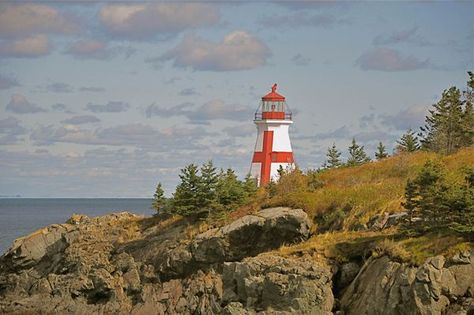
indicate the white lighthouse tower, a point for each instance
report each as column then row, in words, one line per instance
column 273, row 147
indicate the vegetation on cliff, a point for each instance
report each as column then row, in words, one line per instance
column 413, row 204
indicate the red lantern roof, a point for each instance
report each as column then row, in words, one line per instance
column 273, row 96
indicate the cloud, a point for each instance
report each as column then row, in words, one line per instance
column 310, row 4
column 387, row 59
column 367, row 120
column 217, row 109
column 155, row 110
column 94, row 49
column 300, row 60
column 239, row 50
column 373, row 136
column 136, row 134
column 81, row 119
column 110, row 107
column 212, row 110
column 29, row 47
column 59, row 88
column 59, row 107
column 94, row 89
column 301, row 19
column 188, row 92
column 19, row 104
column 47, row 135
column 412, row 117
column 146, row 21
column 28, row 19
column 403, row 36
column 10, row 129
column 7, row 82
column 339, row 133
column 240, row 131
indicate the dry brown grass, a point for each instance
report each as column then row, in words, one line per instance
column 370, row 189
column 341, row 246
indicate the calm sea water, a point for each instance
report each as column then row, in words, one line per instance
column 21, row 216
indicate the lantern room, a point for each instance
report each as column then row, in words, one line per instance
column 273, row 106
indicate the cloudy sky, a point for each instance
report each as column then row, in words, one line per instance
column 104, row 99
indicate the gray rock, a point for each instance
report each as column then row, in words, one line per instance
column 385, row 220
column 272, row 284
column 386, row 287
column 463, row 257
column 395, row 219
column 251, row 235
column 347, row 273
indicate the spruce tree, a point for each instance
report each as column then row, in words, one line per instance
column 464, row 218
column 158, row 198
column 408, row 142
column 468, row 113
column 430, row 186
column 186, row 198
column 333, row 157
column 357, row 155
column 250, row 186
column 444, row 127
column 411, row 202
column 230, row 191
column 381, row 153
column 207, row 188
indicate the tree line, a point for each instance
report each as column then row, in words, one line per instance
column 432, row 201
column 448, row 127
column 435, row 203
column 203, row 191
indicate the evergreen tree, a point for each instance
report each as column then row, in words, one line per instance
column 357, row 155
column 250, row 186
column 468, row 113
column 410, row 199
column 464, row 220
column 314, row 180
column 271, row 189
column 381, row 153
column 408, row 142
column 333, row 157
column 438, row 205
column 230, row 191
column 158, row 198
column 186, row 198
column 444, row 127
column 281, row 171
column 207, row 189
column 426, row 197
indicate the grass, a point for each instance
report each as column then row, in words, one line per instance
column 369, row 189
column 344, row 246
column 352, row 195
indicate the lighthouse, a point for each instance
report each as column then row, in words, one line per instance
column 273, row 146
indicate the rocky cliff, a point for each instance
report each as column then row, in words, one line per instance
column 125, row 264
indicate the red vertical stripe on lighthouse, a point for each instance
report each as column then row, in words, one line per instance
column 267, row 157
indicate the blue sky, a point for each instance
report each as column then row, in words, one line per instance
column 105, row 99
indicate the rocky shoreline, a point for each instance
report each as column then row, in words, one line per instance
column 125, row 264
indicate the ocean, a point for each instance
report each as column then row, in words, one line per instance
column 21, row 216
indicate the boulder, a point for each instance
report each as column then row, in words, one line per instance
column 347, row 272
column 272, row 284
column 387, row 287
column 385, row 220
column 251, row 235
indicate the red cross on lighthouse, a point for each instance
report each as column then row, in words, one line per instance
column 273, row 147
